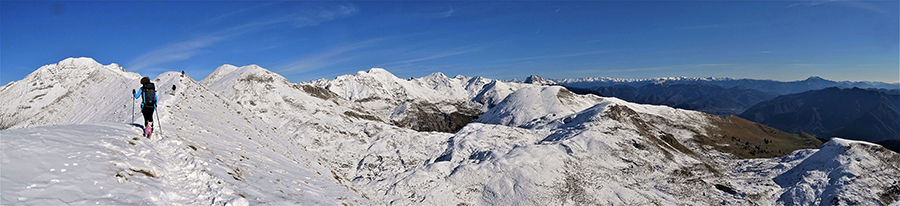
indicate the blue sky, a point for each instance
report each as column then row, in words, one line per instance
column 781, row 40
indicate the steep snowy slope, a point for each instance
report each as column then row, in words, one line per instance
column 842, row 172
column 270, row 95
column 205, row 152
column 345, row 136
column 64, row 93
column 612, row 153
column 247, row 151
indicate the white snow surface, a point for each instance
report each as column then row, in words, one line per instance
column 75, row 90
column 247, row 136
column 204, row 152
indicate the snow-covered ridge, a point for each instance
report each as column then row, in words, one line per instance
column 245, row 135
column 50, row 94
column 203, row 151
column 420, row 103
column 378, row 83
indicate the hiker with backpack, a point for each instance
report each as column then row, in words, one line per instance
column 148, row 103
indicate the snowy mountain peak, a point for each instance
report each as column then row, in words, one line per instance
column 220, row 71
column 80, row 62
column 49, row 94
column 74, row 68
column 251, row 72
column 538, row 80
column 227, row 68
column 436, row 75
column 376, row 72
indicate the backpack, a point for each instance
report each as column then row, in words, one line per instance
column 148, row 93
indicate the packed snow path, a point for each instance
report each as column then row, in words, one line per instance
column 160, row 166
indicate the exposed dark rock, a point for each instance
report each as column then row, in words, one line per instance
column 361, row 116
column 315, row 91
column 258, row 78
column 726, row 189
column 428, row 117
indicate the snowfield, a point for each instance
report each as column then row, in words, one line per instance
column 248, row 136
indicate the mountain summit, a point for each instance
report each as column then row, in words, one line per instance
column 538, row 80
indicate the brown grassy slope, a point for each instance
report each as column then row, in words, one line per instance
column 733, row 135
column 746, row 139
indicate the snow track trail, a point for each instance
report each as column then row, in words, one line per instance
column 182, row 171
column 218, row 156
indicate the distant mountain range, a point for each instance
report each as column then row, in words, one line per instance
column 862, row 114
column 820, row 107
column 720, row 96
column 779, row 87
column 699, row 96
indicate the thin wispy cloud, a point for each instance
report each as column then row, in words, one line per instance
column 331, row 56
column 173, row 52
column 866, row 6
column 308, row 15
column 445, row 14
column 312, row 15
column 811, row 3
column 435, row 56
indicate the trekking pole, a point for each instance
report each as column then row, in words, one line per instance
column 132, row 106
column 158, row 121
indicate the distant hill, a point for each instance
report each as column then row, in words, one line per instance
column 861, row 114
column 699, row 96
column 779, row 87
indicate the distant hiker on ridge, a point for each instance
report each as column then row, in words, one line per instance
column 148, row 104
